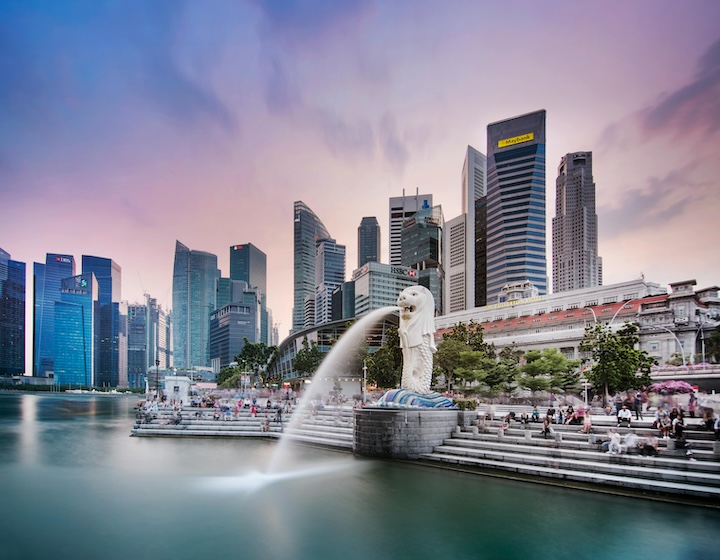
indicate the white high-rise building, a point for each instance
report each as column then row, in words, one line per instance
column 473, row 188
column 456, row 269
column 401, row 208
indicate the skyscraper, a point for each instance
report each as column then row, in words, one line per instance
column 249, row 264
column 422, row 241
column 473, row 188
column 516, row 204
column 368, row 241
column 12, row 315
column 76, row 329
column 46, row 282
column 194, row 276
column 148, row 340
column 456, row 269
column 402, row 208
column 307, row 230
column 233, row 323
column 111, row 353
column 576, row 263
column 329, row 275
column 480, row 242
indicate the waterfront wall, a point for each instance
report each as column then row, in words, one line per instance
column 401, row 433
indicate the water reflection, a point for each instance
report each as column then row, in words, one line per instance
column 80, row 487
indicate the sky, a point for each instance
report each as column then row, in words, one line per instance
column 128, row 125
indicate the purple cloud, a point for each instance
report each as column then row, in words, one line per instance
column 659, row 201
column 695, row 106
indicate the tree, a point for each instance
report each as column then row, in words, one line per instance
column 385, row 364
column 712, row 347
column 548, row 369
column 308, row 358
column 448, row 357
column 255, row 357
column 617, row 366
column 226, row 377
column 470, row 334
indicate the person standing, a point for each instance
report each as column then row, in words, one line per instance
column 638, row 404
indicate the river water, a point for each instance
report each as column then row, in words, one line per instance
column 74, row 485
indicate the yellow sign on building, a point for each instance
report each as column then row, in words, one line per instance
column 516, row 140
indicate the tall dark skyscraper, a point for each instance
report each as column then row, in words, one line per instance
column 194, row 284
column 307, row 231
column 47, row 280
column 249, row 264
column 400, row 209
column 576, row 263
column 368, row 241
column 111, row 352
column 421, row 243
column 516, row 204
column 12, row 315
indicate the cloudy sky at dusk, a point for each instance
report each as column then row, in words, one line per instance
column 125, row 126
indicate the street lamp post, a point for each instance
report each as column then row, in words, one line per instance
column 157, row 379
column 621, row 308
column 364, row 388
column 682, row 350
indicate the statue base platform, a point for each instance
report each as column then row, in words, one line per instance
column 403, row 398
column 401, row 433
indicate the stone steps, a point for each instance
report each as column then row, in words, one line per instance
column 587, row 477
column 573, row 457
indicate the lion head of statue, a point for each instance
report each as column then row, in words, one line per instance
column 417, row 313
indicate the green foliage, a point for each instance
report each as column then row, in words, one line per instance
column 308, row 358
column 471, row 334
column 463, row 353
column 225, row 374
column 385, row 364
column 466, row 404
column 712, row 347
column 548, row 369
column 617, row 366
column 255, row 357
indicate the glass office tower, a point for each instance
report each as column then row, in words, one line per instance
column 516, row 204
column 111, row 353
column 307, row 230
column 368, row 241
column 76, row 328
column 329, row 275
column 46, row 281
column 422, row 241
column 12, row 315
column 194, row 284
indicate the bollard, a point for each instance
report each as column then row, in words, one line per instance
column 592, row 439
column 528, row 435
column 558, row 437
column 671, row 444
column 475, row 430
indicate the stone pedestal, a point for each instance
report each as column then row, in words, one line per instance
column 401, row 433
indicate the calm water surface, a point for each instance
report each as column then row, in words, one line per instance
column 73, row 484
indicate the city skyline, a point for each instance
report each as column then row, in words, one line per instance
column 130, row 126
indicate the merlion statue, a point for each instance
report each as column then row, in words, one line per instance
column 417, row 341
column 416, row 330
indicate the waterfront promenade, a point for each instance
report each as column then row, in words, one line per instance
column 567, row 456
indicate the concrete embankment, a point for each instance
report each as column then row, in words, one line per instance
column 565, row 457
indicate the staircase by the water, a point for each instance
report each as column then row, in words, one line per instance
column 578, row 458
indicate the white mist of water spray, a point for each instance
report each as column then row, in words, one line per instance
column 330, row 365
